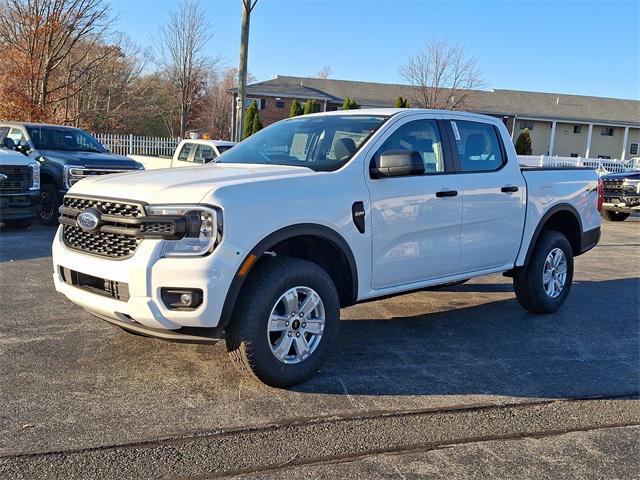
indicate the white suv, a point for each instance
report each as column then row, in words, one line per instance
column 315, row 213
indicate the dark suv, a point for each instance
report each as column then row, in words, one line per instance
column 66, row 155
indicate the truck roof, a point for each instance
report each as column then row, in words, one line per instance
column 33, row 124
column 397, row 111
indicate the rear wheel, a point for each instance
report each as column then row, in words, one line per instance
column 284, row 323
column 543, row 285
column 20, row 224
column 49, row 204
column 615, row 216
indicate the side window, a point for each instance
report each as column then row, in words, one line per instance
column 422, row 136
column 183, row 156
column 478, row 146
column 16, row 135
column 204, row 154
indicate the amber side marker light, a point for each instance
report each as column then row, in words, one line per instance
column 246, row 266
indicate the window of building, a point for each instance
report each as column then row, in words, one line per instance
column 478, row 146
column 633, row 149
column 577, row 129
column 607, row 131
column 279, row 103
column 574, row 155
column 421, row 136
column 526, row 124
column 605, row 157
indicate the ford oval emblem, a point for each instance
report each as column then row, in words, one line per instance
column 3, row 177
column 89, row 220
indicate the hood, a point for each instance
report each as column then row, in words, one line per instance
column 90, row 159
column 180, row 185
column 622, row 176
column 11, row 157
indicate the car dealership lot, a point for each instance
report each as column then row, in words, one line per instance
column 424, row 369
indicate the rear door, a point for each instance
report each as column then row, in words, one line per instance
column 415, row 219
column 493, row 194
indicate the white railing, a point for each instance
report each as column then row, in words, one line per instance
column 138, row 145
column 601, row 165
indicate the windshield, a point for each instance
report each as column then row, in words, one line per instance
column 70, row 139
column 322, row 143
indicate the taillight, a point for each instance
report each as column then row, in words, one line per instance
column 600, row 194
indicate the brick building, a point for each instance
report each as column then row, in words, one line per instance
column 563, row 125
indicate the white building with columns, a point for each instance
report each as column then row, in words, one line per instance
column 559, row 124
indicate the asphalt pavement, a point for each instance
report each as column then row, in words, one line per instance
column 463, row 367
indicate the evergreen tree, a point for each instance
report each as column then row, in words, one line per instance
column 349, row 104
column 256, row 125
column 251, row 113
column 402, row 102
column 523, row 143
column 310, row 106
column 296, row 109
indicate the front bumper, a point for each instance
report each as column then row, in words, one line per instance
column 622, row 204
column 18, row 206
column 145, row 273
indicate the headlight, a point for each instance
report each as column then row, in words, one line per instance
column 203, row 229
column 72, row 174
column 35, row 175
column 632, row 186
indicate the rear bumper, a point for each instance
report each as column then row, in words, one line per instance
column 623, row 206
column 590, row 239
column 18, row 206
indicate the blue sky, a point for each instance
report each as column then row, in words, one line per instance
column 578, row 47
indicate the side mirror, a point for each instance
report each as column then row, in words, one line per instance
column 397, row 163
column 23, row 148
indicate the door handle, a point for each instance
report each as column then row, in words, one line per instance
column 447, row 193
column 509, row 189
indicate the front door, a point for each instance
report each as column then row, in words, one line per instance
column 415, row 219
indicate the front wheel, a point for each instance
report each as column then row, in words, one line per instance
column 285, row 320
column 543, row 285
column 615, row 216
column 49, row 204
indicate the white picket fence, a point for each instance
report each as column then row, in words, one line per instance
column 600, row 165
column 138, row 145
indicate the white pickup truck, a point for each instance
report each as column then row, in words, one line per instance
column 316, row 213
column 188, row 153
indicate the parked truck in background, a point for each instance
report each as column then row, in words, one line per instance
column 188, row 153
column 621, row 195
column 19, row 189
column 315, row 213
column 65, row 155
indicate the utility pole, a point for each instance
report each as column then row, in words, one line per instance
column 247, row 7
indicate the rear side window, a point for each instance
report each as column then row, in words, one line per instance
column 478, row 146
column 183, row 156
column 204, row 154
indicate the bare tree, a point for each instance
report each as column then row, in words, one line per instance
column 39, row 36
column 325, row 72
column 442, row 76
column 182, row 43
column 247, row 8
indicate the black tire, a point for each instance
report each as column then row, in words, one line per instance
column 528, row 281
column 49, row 205
column 248, row 342
column 20, row 224
column 615, row 216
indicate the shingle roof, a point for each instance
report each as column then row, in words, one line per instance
column 528, row 104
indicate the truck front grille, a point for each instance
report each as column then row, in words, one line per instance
column 100, row 286
column 19, row 178
column 106, row 244
column 613, row 187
